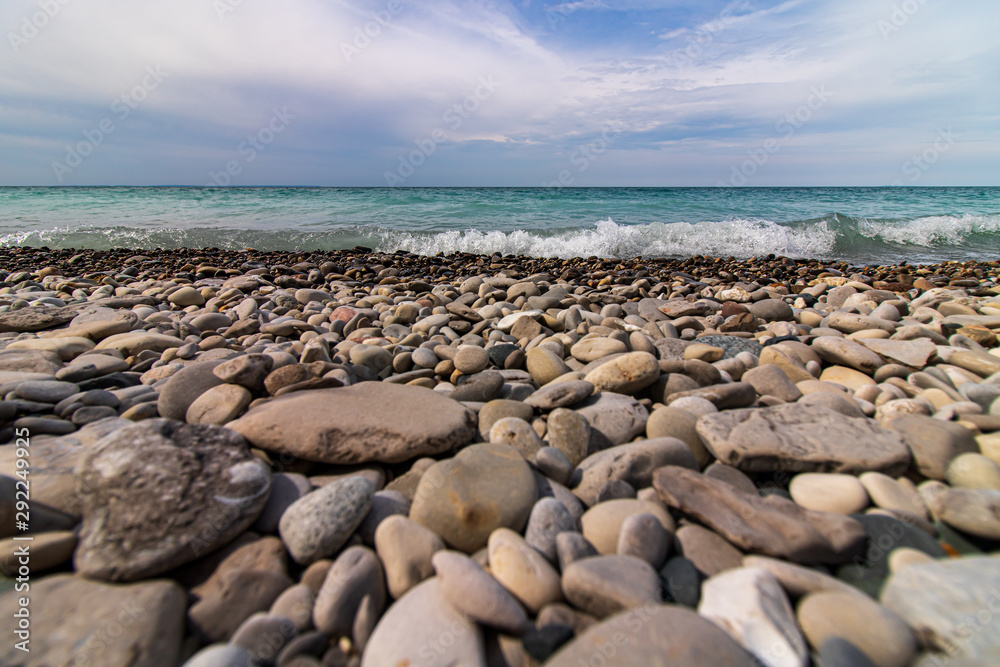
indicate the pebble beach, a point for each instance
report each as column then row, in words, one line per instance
column 303, row 459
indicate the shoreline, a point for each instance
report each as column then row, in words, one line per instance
column 350, row 455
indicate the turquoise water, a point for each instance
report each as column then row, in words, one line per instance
column 860, row 225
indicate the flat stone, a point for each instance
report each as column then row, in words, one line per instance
column 911, row 353
column 318, row 524
column 770, row 380
column 633, row 463
column 592, row 349
column 186, row 296
column 365, row 422
column 772, row 310
column 627, row 374
column 65, row 348
column 732, row 345
column 933, row 442
column 722, row 396
column 829, row 492
column 878, row 632
column 560, row 395
column 670, row 422
column 29, row 361
column 160, row 494
column 773, row 525
column 945, row 603
column 35, row 319
column 846, row 377
column 247, row 370
column 48, row 550
column 707, row 551
column 847, row 353
column 544, row 365
column 133, row 343
column 46, row 391
column 891, row 494
column 616, row 418
column 655, row 635
column 465, row 498
column 71, row 617
column 605, row 585
column 751, row 606
column 406, row 549
column 548, row 518
column 473, row 591
column 804, row 438
column 241, row 594
column 422, row 627
column 518, row 434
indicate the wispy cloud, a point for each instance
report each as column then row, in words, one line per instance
column 689, row 88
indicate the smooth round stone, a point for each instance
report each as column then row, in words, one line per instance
column 973, row 511
column 592, row 349
column 974, row 471
column 318, row 524
column 352, row 596
column 498, row 409
column 296, row 604
column 829, row 492
column 471, row 359
column 473, row 591
column 465, row 498
column 875, row 630
column 555, row 465
column 544, row 365
column 626, row 374
column 672, row 422
column 91, row 414
column 186, row 296
column 770, row 380
column 374, row 357
column 569, row 432
column 696, row 405
column 479, row 388
column 602, row 523
column 605, row 585
column 846, row 377
column 219, row 405
column 548, row 519
column 518, row 434
column 46, row 391
column 560, row 395
column 523, row 571
column 891, row 494
column 406, row 549
column 423, row 628
column 643, row 536
column 682, row 582
column 264, row 635
column 424, row 358
column 836, row 402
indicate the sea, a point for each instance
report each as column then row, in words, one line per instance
column 860, row 225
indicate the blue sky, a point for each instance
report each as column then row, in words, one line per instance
column 585, row 93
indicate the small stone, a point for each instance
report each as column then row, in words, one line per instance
column 891, row 494
column 708, row 551
column 318, row 524
column 263, row 636
column 560, row 395
column 602, row 523
column 626, row 374
column 471, row 359
column 568, row 432
column 219, row 405
column 523, row 571
column 466, row 498
column 973, row 511
column 643, row 536
column 479, row 388
column 518, row 434
column 672, row 422
column 186, row 296
column 750, row 605
column 592, row 349
column 605, row 585
column 544, row 365
column 934, row 443
column 406, row 549
column 829, row 492
column 471, row 590
column 770, row 380
column 548, row 519
column 974, row 471
column 352, row 596
column 875, row 630
column 633, row 463
column 613, row 418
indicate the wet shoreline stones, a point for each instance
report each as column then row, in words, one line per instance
column 712, row 457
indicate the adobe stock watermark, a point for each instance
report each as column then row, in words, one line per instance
column 364, row 35
column 584, row 156
column 454, row 116
column 920, row 163
column 899, row 16
column 254, row 145
column 33, row 24
column 121, row 109
column 705, row 34
column 787, row 126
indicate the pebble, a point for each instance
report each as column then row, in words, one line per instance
column 319, row 523
column 473, row 591
column 875, row 630
column 602, row 523
column 605, row 585
column 829, row 492
column 523, row 571
column 406, row 549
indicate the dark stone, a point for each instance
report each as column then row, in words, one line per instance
column 540, row 644
column 732, row 345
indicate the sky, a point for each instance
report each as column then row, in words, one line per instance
column 522, row 93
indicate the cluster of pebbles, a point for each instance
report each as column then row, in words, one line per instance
column 356, row 458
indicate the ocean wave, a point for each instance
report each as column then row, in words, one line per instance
column 836, row 236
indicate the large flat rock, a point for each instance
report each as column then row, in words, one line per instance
column 803, row 438
column 371, row 421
